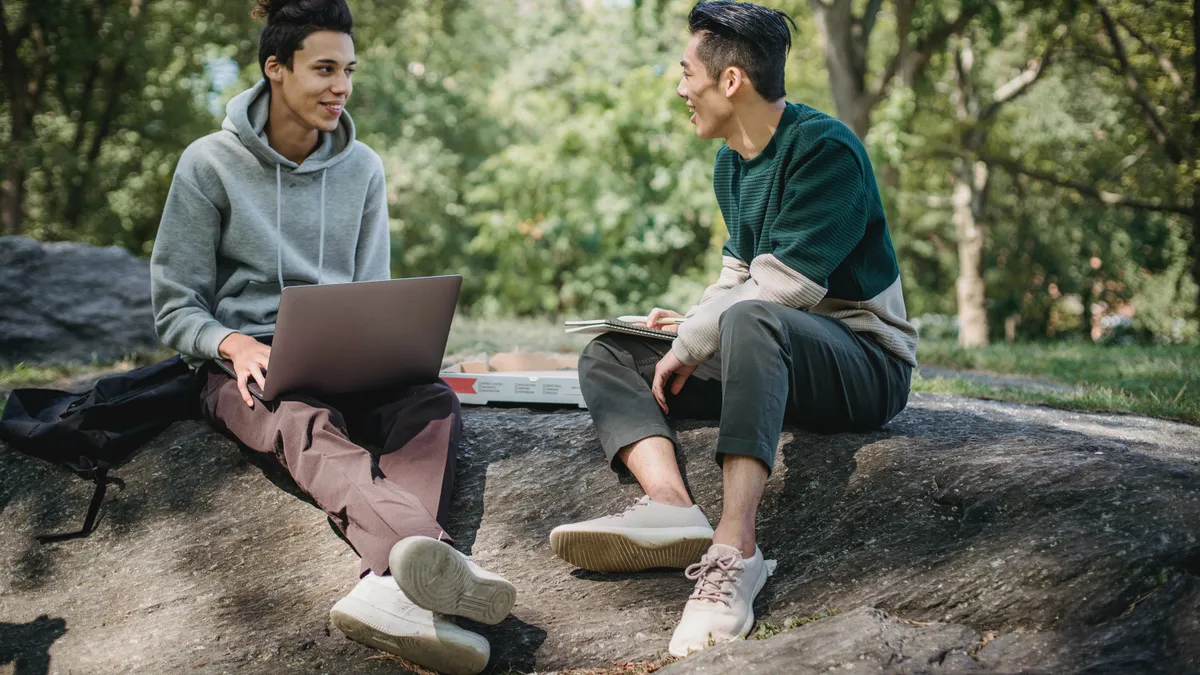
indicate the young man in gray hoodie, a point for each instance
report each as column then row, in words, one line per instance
column 284, row 195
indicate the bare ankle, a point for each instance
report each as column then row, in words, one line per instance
column 744, row 542
column 669, row 497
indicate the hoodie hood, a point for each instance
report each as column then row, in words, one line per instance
column 241, row 221
column 246, row 116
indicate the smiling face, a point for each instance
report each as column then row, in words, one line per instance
column 315, row 89
column 706, row 97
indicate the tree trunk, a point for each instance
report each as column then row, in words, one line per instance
column 12, row 190
column 12, row 197
column 1196, row 145
column 104, row 128
column 845, row 57
column 1196, row 241
column 972, row 307
column 858, row 118
column 23, row 85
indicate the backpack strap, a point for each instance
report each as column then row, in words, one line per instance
column 99, row 475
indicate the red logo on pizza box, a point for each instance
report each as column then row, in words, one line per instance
column 462, row 385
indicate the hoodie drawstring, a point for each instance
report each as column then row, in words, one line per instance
column 279, row 228
column 321, row 247
column 279, row 223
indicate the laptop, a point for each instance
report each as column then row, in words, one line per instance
column 358, row 336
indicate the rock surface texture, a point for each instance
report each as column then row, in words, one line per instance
column 968, row 536
column 68, row 302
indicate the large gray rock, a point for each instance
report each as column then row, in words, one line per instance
column 969, row 536
column 67, row 302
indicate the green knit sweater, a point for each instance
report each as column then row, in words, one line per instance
column 806, row 230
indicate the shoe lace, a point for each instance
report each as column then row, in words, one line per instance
column 714, row 578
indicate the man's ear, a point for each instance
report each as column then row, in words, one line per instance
column 732, row 81
column 274, row 70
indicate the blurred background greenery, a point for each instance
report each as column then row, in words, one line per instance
column 1038, row 157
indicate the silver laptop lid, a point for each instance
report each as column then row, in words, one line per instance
column 341, row 338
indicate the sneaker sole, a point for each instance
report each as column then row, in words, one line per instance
column 608, row 551
column 448, row 649
column 435, row 576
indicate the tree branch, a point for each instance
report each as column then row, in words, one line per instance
column 1086, row 190
column 962, row 80
column 1133, row 83
column 1019, row 85
column 3, row 25
column 10, row 62
column 84, row 103
column 26, row 25
column 1196, row 75
column 1126, row 163
column 924, row 51
column 1167, row 66
column 908, row 63
column 41, row 70
column 104, row 127
column 867, row 22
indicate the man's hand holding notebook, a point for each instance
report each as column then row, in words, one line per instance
column 661, row 324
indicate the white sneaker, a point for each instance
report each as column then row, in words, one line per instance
column 378, row 615
column 646, row 535
column 435, row 576
column 721, row 608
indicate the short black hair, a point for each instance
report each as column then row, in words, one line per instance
column 751, row 37
column 289, row 22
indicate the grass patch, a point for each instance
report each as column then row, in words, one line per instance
column 24, row 375
column 470, row 335
column 1154, row 381
column 766, row 629
column 629, row 668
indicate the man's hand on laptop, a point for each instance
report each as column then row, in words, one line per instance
column 249, row 357
column 655, row 320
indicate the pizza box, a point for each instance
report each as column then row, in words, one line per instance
column 516, row 378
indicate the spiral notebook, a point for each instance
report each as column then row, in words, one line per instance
column 598, row 326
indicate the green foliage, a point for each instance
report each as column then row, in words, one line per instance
column 124, row 91
column 1158, row 302
column 602, row 208
column 1056, row 263
column 539, row 148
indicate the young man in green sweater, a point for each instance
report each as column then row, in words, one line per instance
column 805, row 325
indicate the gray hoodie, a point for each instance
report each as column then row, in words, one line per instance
column 242, row 221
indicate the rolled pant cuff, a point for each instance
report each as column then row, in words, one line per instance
column 741, row 446
column 612, row 443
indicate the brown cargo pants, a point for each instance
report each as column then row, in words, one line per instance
column 375, row 499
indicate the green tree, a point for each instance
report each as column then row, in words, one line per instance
column 604, row 193
column 100, row 97
column 1146, row 58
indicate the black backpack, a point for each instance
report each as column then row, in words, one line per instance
column 92, row 432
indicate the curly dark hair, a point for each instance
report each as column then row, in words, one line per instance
column 289, row 22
